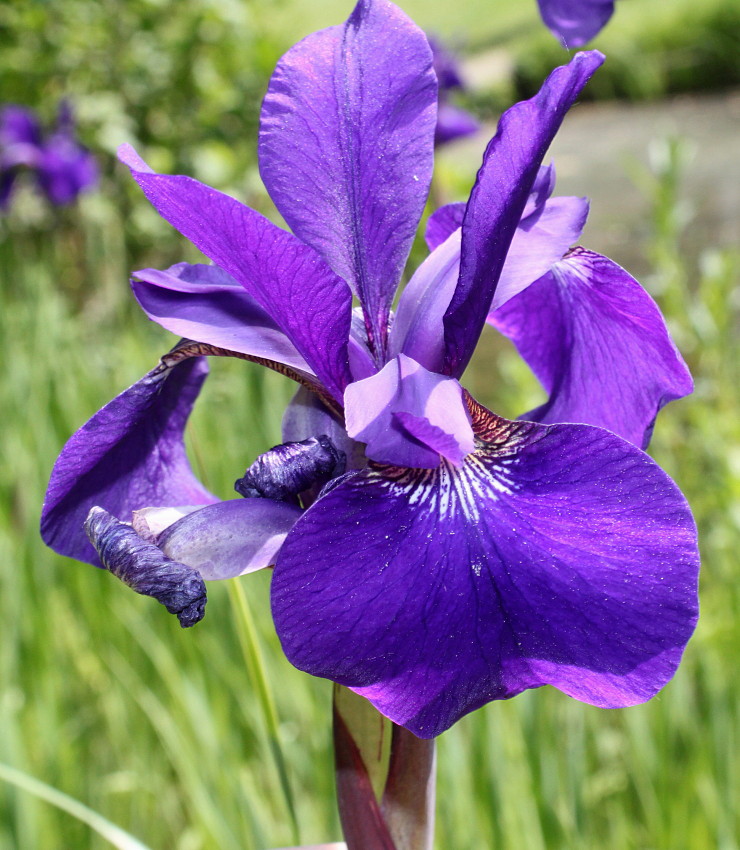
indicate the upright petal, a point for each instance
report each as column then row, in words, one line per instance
column 575, row 22
column 599, row 345
column 502, row 187
column 554, row 555
column 206, row 304
column 346, row 147
column 417, row 329
column 19, row 126
column 289, row 280
column 130, row 455
column 540, row 240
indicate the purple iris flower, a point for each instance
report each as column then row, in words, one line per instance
column 427, row 553
column 452, row 121
column 63, row 168
column 575, row 22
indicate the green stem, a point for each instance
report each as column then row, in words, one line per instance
column 250, row 646
column 385, row 779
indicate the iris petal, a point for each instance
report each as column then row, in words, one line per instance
column 231, row 538
column 599, row 345
column 510, row 167
column 575, row 22
column 554, row 555
column 129, row 455
column 206, row 304
column 288, row 279
column 346, row 147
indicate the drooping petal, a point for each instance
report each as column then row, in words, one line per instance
column 289, row 280
column 206, row 304
column 346, row 147
column 144, row 568
column 130, row 455
column 599, row 345
column 556, row 555
column 575, row 22
column 409, row 416
column 230, row 538
column 453, row 122
column 510, row 166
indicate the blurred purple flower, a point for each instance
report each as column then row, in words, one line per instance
column 61, row 165
column 440, row 556
column 452, row 121
column 575, row 22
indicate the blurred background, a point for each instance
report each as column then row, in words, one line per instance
column 161, row 731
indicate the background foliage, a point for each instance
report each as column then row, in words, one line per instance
column 101, row 694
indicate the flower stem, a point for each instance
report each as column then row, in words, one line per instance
column 250, row 646
column 385, row 779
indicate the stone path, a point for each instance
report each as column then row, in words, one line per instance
column 597, row 141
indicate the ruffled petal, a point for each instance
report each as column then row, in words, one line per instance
column 599, row 345
column 230, row 538
column 130, row 455
column 575, row 22
column 346, row 147
column 556, row 555
column 289, row 280
column 409, row 416
column 510, row 166
column 206, row 304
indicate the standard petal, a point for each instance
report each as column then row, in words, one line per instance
column 540, row 240
column 599, row 345
column 417, row 329
column 346, row 147
column 575, row 22
column 130, row 455
column 443, row 223
column 230, row 538
column 554, row 555
column 510, row 166
column 289, row 280
column 206, row 304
